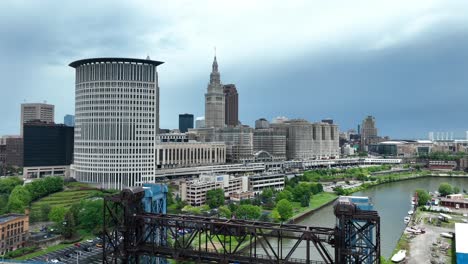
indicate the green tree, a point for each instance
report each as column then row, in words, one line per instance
column 44, row 210
column 75, row 211
column 57, row 214
column 37, row 189
column 19, row 200
column 284, row 194
column 69, row 226
column 301, row 190
column 285, row 209
column 8, row 184
column 305, row 200
column 90, row 216
column 233, row 207
column 225, row 212
column 316, row 188
column 275, row 216
column 267, row 195
column 54, row 184
column 423, row 197
column 340, row 191
column 170, row 197
column 247, row 211
column 3, row 203
column 215, row 198
column 445, row 189
column 456, row 189
column 265, row 217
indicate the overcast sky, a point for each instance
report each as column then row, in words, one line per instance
column 404, row 62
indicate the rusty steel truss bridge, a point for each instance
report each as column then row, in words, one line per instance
column 133, row 234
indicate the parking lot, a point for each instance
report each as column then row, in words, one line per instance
column 75, row 254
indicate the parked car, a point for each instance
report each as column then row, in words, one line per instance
column 87, row 249
column 99, row 245
column 77, row 244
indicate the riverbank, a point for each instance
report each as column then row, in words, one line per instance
column 323, row 199
column 429, row 247
column 399, row 177
column 317, row 202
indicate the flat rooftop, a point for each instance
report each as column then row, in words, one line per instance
column 78, row 63
column 9, row 217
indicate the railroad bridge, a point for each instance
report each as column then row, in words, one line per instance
column 138, row 230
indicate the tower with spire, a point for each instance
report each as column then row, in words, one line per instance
column 214, row 99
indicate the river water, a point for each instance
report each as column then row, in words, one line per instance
column 391, row 200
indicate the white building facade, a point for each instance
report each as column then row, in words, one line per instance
column 194, row 192
column 188, row 154
column 116, row 120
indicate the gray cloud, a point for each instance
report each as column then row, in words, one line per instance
column 319, row 60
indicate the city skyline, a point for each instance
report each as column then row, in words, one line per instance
column 407, row 70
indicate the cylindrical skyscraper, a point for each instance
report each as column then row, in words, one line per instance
column 116, row 120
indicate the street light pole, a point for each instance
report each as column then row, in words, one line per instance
column 78, row 253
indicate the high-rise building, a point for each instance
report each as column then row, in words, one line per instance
column 115, row 142
column 368, row 132
column 328, row 121
column 239, row 143
column 307, row 140
column 261, row 123
column 185, row 122
column 271, row 141
column 11, row 152
column 231, row 104
column 214, row 100
column 48, row 149
column 69, row 120
column 36, row 111
column 200, row 122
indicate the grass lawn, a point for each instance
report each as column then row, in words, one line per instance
column 44, row 251
column 315, row 202
column 65, row 198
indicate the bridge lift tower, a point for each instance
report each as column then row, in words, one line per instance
column 138, row 230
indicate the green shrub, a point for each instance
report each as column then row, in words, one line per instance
column 20, row 252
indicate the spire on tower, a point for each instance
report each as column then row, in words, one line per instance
column 215, row 76
column 215, row 62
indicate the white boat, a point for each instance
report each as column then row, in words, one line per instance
column 414, row 230
column 446, row 216
column 410, row 212
column 447, row 235
column 407, row 219
column 399, row 256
